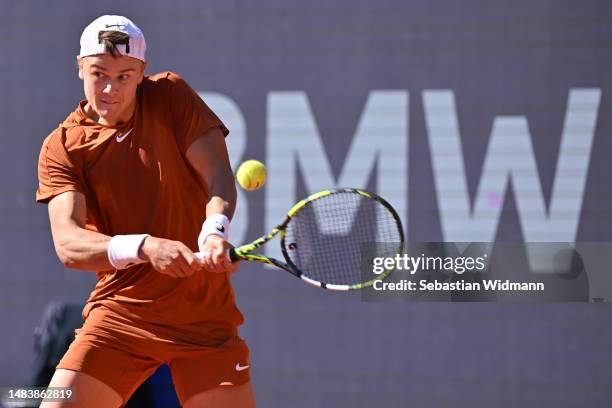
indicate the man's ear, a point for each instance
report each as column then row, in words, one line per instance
column 79, row 63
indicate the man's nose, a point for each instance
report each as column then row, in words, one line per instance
column 109, row 86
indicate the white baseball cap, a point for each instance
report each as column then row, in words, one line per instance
column 90, row 41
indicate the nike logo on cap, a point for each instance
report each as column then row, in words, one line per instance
column 220, row 228
column 241, row 368
column 120, row 138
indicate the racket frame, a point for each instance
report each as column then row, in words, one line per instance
column 245, row 252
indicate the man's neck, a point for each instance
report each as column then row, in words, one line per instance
column 93, row 115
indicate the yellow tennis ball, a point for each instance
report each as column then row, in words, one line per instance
column 251, row 175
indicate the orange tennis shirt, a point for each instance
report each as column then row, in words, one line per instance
column 136, row 179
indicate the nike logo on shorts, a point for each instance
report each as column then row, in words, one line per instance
column 120, row 138
column 241, row 368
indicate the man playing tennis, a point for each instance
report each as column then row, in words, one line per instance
column 136, row 179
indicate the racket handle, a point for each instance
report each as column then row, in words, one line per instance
column 232, row 254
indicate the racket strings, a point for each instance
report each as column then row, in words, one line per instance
column 325, row 239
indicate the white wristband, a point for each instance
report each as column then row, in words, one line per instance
column 123, row 250
column 215, row 224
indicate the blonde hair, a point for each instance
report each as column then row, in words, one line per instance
column 111, row 39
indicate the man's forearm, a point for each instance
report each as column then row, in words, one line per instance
column 79, row 248
column 222, row 196
column 220, row 208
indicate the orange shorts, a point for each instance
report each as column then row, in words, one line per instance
column 123, row 353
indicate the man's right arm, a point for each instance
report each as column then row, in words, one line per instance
column 76, row 247
column 80, row 248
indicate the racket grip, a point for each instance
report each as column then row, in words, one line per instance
column 233, row 255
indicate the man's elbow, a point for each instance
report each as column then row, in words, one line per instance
column 65, row 251
column 65, row 256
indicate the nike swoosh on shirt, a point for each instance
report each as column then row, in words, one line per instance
column 120, row 138
column 241, row 368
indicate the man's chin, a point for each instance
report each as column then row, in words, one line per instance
column 107, row 117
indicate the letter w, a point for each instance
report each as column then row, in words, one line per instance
column 510, row 156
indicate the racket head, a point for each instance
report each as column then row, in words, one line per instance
column 324, row 237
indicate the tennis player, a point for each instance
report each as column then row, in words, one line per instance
column 136, row 179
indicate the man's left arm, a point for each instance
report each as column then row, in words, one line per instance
column 208, row 156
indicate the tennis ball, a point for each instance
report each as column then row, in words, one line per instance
column 251, row 175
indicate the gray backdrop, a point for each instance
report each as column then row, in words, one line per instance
column 479, row 120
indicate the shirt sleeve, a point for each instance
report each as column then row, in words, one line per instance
column 191, row 117
column 57, row 173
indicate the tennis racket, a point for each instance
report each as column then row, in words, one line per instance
column 323, row 238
